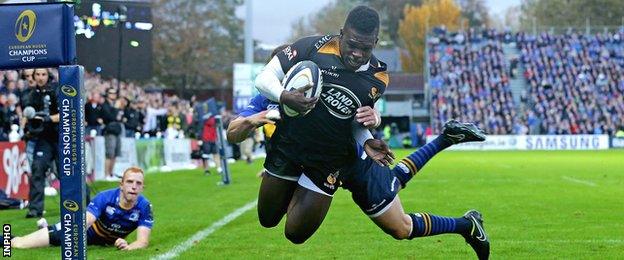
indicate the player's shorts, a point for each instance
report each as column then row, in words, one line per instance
column 55, row 233
column 323, row 180
column 277, row 165
column 112, row 145
column 208, row 148
column 373, row 190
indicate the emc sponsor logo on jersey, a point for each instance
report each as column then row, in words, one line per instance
column 340, row 101
column 322, row 41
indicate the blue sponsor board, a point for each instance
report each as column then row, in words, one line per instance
column 71, row 166
column 617, row 142
column 36, row 35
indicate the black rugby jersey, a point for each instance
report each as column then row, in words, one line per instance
column 325, row 133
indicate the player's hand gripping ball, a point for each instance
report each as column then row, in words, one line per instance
column 305, row 74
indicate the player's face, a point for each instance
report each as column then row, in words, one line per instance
column 41, row 77
column 355, row 48
column 132, row 185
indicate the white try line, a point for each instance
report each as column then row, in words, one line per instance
column 177, row 250
column 589, row 183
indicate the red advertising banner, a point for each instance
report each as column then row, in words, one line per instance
column 14, row 170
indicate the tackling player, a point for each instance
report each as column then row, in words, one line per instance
column 375, row 189
column 111, row 216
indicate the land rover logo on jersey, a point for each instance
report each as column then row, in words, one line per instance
column 25, row 25
column 69, row 90
column 340, row 101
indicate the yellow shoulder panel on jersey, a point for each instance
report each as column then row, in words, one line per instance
column 383, row 77
column 331, row 47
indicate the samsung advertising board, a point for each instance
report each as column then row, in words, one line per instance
column 536, row 142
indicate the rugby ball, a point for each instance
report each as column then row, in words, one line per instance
column 300, row 75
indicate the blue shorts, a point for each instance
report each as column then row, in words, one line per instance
column 373, row 187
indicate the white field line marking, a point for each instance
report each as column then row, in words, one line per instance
column 579, row 181
column 563, row 241
column 180, row 248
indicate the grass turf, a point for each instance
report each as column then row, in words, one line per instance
column 535, row 204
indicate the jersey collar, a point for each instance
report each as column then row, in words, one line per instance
column 363, row 67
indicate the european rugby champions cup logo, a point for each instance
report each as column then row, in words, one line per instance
column 69, row 90
column 71, row 205
column 25, row 25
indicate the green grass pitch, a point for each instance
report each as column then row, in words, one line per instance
column 564, row 205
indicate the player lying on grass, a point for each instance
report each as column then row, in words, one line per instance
column 375, row 187
column 111, row 216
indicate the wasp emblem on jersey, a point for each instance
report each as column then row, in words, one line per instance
column 374, row 93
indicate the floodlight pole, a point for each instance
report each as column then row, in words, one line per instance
column 248, row 32
column 121, row 11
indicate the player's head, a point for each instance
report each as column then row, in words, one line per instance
column 358, row 36
column 41, row 76
column 132, row 183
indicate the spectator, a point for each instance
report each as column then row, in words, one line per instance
column 112, row 117
column 93, row 114
column 209, row 142
column 133, row 120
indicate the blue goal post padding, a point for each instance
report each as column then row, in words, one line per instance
column 37, row 35
column 71, row 163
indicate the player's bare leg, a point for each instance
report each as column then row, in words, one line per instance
column 39, row 238
column 273, row 200
column 306, row 212
column 394, row 221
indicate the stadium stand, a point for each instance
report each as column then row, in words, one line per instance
column 573, row 82
column 469, row 81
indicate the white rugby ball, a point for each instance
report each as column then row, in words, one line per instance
column 300, row 75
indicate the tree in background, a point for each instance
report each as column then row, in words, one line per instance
column 417, row 22
column 196, row 42
column 571, row 13
column 475, row 12
column 391, row 14
column 331, row 17
column 328, row 20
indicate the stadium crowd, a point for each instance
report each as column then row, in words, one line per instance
column 574, row 81
column 469, row 80
column 147, row 111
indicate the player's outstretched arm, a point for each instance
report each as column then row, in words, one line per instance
column 141, row 242
column 241, row 127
